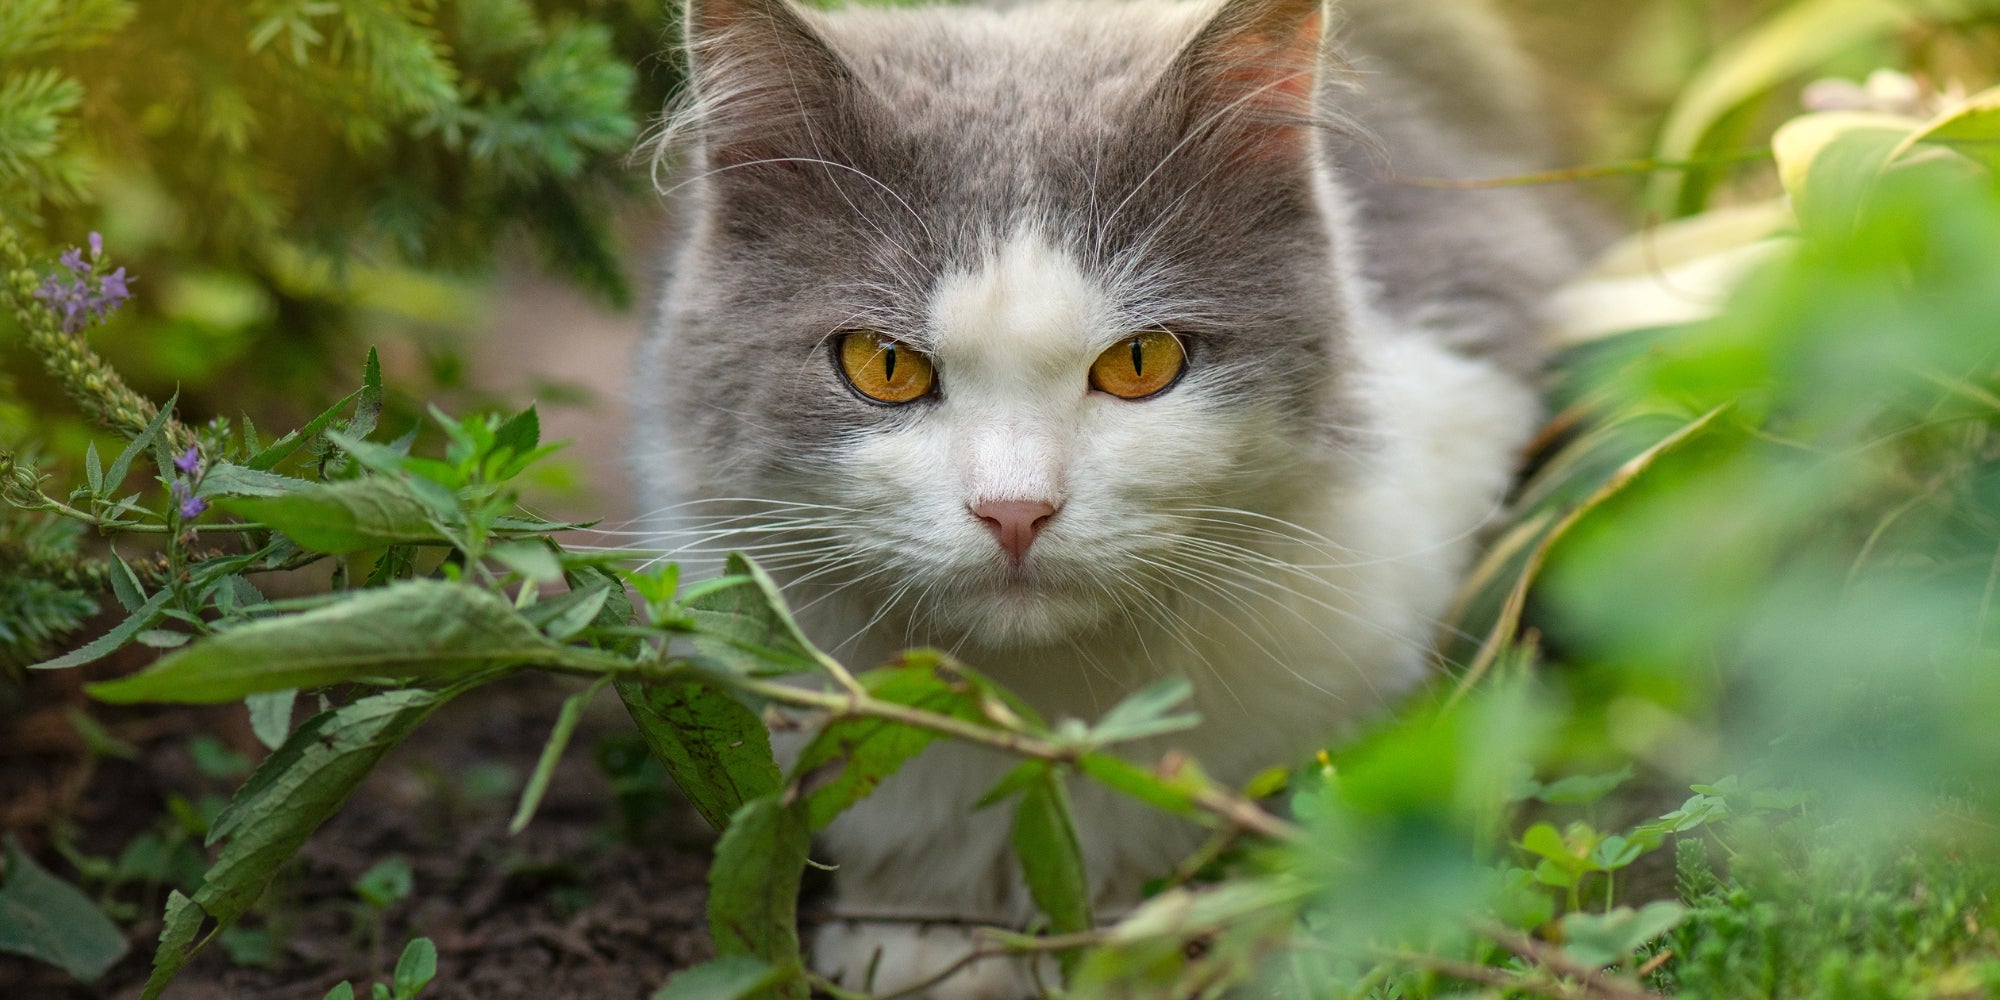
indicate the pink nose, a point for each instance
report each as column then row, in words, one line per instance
column 1015, row 523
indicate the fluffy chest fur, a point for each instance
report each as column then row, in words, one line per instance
column 1012, row 197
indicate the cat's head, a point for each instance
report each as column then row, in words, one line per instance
column 1006, row 317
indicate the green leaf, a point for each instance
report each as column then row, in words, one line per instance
column 1545, row 840
column 565, row 616
column 297, row 788
column 224, row 479
column 1800, row 36
column 50, row 920
column 530, row 558
column 342, row 990
column 1121, row 775
column 281, row 449
column 716, row 750
column 347, row 516
column 115, row 475
column 125, row 583
column 522, row 432
column 1583, row 789
column 1051, row 857
column 182, row 924
column 753, row 886
column 93, row 469
column 419, row 962
column 271, row 716
column 1143, row 713
column 736, row 977
column 415, row 629
column 108, row 643
column 1972, row 129
column 743, row 626
column 368, row 408
column 386, row 882
column 552, row 751
column 1830, row 163
column 1600, row 939
column 850, row 757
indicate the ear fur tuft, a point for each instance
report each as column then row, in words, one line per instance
column 759, row 78
column 1251, row 76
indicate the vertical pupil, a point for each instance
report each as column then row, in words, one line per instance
column 889, row 363
column 1138, row 357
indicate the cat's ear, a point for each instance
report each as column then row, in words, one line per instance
column 761, row 80
column 1249, row 76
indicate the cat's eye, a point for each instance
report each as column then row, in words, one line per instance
column 882, row 369
column 1144, row 364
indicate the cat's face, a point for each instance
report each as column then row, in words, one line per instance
column 1014, row 320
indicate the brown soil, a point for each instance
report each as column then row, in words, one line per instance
column 587, row 902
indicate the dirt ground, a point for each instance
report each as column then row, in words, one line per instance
column 591, row 901
column 600, row 897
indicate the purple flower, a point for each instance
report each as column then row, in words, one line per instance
column 97, row 244
column 67, row 299
column 190, row 461
column 114, row 290
column 80, row 299
column 191, row 506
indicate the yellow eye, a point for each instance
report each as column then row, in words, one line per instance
column 883, row 370
column 1144, row 364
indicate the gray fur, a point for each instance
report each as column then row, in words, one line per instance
column 946, row 127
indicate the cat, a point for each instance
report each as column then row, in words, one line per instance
column 1096, row 341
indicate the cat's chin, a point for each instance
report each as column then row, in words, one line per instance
column 1013, row 614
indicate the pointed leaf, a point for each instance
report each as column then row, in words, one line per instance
column 1051, row 857
column 1121, row 775
column 753, row 885
column 291, row 793
column 368, row 407
column 416, row 629
column 345, row 517
column 228, row 480
column 522, row 432
column 850, row 757
column 1583, row 789
column 183, row 922
column 552, row 751
column 115, row 475
column 716, row 750
column 1144, row 713
column 284, row 447
column 271, row 716
column 1973, row 129
column 743, row 625
column 108, row 643
column 419, row 962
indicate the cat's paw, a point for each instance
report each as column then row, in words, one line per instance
column 891, row 957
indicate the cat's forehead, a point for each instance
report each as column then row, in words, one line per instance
column 1023, row 305
column 1025, row 68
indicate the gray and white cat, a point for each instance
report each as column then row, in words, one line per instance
column 1085, row 338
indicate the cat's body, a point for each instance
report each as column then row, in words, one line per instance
column 1009, row 194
